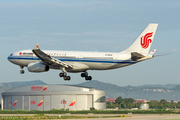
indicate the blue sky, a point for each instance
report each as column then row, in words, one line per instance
column 91, row 25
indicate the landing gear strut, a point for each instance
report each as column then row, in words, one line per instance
column 64, row 74
column 22, row 71
column 85, row 74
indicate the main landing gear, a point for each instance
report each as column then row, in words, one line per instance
column 85, row 74
column 65, row 76
column 22, row 71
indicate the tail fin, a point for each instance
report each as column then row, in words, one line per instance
column 143, row 43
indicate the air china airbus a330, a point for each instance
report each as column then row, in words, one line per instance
column 37, row 60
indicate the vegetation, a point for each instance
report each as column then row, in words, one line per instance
column 121, row 111
column 92, row 108
column 123, row 103
column 42, row 117
column 130, row 103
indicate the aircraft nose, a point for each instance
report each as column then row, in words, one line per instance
column 9, row 58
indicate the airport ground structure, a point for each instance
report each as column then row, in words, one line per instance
column 48, row 97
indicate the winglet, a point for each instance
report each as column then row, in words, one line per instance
column 37, row 46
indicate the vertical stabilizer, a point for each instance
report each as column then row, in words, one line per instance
column 143, row 43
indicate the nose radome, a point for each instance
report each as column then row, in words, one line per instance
column 10, row 57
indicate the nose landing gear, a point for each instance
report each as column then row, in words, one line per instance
column 22, row 71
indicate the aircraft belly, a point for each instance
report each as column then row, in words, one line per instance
column 98, row 66
column 105, row 66
column 84, row 66
column 101, row 66
column 22, row 62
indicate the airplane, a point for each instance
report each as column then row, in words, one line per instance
column 37, row 60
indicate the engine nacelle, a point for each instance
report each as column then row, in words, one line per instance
column 37, row 67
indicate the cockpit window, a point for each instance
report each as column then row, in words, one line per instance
column 11, row 54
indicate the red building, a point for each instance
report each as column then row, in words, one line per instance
column 110, row 100
column 140, row 101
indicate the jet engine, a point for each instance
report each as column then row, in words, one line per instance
column 37, row 67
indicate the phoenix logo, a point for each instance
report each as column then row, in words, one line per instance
column 145, row 40
column 15, row 103
column 37, row 46
column 45, row 88
column 73, row 102
column 40, row 103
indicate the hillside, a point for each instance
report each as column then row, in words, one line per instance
column 9, row 85
column 152, row 92
column 148, row 92
column 169, row 86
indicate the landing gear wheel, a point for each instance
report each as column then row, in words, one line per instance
column 90, row 78
column 83, row 75
column 67, row 78
column 86, row 78
column 61, row 74
column 22, row 71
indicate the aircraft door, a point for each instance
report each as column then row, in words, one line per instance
column 80, row 57
column 115, row 58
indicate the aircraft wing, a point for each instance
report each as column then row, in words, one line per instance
column 48, row 59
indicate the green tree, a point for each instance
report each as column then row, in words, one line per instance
column 130, row 100
column 153, row 104
column 163, row 101
column 127, row 105
column 124, row 106
column 178, row 106
column 108, row 104
column 130, row 105
column 160, row 105
column 119, row 100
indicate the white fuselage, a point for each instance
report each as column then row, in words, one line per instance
column 37, row 60
column 81, row 61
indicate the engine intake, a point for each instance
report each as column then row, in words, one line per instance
column 37, row 67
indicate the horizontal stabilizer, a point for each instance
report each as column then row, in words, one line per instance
column 136, row 56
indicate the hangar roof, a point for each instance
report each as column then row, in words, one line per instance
column 45, row 87
column 50, row 89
